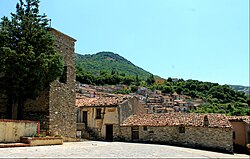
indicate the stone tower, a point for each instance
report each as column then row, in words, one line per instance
column 55, row 107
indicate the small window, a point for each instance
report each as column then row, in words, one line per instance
column 98, row 113
column 145, row 128
column 78, row 116
column 181, row 129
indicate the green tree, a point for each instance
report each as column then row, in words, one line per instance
column 151, row 79
column 133, row 88
column 28, row 58
column 248, row 100
column 169, row 79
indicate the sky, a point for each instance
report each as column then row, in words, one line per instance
column 205, row 40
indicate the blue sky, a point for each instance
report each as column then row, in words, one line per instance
column 206, row 40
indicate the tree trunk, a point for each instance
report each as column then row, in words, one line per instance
column 20, row 107
column 9, row 107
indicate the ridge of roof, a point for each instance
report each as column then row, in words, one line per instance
column 178, row 119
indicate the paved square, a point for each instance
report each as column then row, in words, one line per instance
column 98, row 149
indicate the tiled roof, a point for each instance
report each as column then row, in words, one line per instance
column 177, row 119
column 239, row 118
column 99, row 101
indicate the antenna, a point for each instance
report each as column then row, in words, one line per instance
column 50, row 23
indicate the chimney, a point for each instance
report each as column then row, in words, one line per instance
column 206, row 122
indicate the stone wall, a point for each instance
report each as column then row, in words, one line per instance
column 131, row 107
column 38, row 109
column 62, row 112
column 200, row 137
column 55, row 107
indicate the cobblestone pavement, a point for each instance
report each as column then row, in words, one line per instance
column 97, row 149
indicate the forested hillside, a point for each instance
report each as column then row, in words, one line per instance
column 106, row 68
column 108, row 62
column 217, row 98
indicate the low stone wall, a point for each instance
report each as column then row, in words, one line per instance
column 201, row 137
column 12, row 130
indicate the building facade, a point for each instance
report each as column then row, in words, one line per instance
column 98, row 116
column 210, row 131
column 241, row 131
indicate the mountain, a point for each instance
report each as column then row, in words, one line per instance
column 245, row 89
column 109, row 61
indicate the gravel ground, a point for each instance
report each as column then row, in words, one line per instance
column 97, row 149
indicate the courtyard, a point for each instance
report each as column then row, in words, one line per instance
column 98, row 149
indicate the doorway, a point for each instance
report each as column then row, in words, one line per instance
column 109, row 132
column 135, row 133
column 85, row 118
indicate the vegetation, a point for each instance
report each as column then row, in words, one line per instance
column 109, row 62
column 106, row 78
column 217, row 98
column 245, row 89
column 113, row 69
column 28, row 59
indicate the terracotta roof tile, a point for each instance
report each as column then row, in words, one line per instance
column 175, row 119
column 239, row 118
column 99, row 101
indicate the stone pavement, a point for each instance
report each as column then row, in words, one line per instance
column 98, row 149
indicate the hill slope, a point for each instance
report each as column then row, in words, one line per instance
column 109, row 61
column 239, row 88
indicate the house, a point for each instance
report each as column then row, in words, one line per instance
column 97, row 116
column 211, row 131
column 55, row 107
column 143, row 91
column 176, row 96
column 241, row 131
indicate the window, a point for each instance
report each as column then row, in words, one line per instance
column 145, row 128
column 98, row 113
column 181, row 129
column 78, row 116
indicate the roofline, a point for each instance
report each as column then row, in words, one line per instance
column 63, row 34
column 131, row 125
column 105, row 106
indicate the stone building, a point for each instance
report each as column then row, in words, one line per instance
column 211, row 131
column 97, row 116
column 55, row 107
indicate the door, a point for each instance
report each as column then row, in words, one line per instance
column 135, row 133
column 85, row 118
column 109, row 132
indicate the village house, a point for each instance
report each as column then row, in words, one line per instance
column 241, row 131
column 164, row 103
column 97, row 116
column 55, row 107
column 211, row 131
